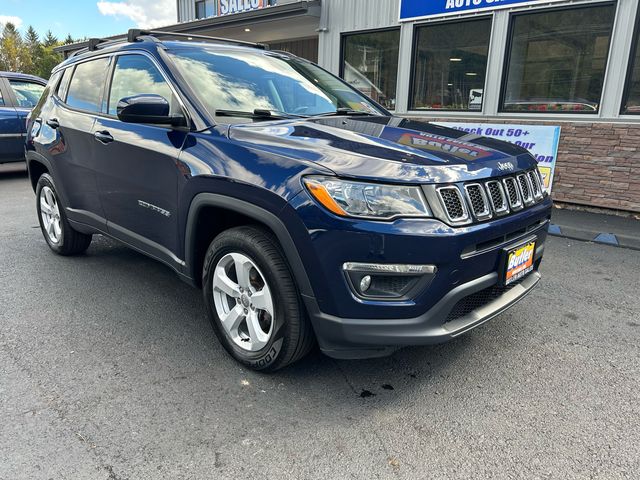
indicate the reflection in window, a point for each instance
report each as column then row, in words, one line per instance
column 450, row 65
column 136, row 75
column 246, row 80
column 558, row 59
column 85, row 89
column 370, row 64
column 631, row 102
column 27, row 93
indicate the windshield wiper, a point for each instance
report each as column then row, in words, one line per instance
column 257, row 113
column 347, row 111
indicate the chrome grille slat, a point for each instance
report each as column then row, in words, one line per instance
column 525, row 189
column 513, row 193
column 454, row 204
column 478, row 201
column 534, row 179
column 497, row 197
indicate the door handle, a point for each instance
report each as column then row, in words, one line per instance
column 103, row 137
column 53, row 123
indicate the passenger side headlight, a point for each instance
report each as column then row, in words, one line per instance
column 367, row 200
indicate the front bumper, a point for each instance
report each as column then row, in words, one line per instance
column 358, row 338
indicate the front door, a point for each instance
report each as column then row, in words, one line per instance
column 136, row 164
column 11, row 132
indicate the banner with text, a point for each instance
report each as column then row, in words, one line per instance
column 414, row 9
column 541, row 140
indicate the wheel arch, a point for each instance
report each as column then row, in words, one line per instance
column 36, row 166
column 244, row 213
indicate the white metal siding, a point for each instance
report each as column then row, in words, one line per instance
column 340, row 16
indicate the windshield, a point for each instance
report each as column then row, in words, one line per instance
column 243, row 81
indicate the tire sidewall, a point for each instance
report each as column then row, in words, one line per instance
column 268, row 356
column 45, row 180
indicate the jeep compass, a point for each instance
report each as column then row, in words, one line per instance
column 306, row 212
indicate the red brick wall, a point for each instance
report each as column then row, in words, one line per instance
column 598, row 163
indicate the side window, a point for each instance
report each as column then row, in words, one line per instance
column 63, row 88
column 27, row 93
column 135, row 75
column 1, row 98
column 85, row 89
column 51, row 86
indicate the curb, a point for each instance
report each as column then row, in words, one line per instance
column 605, row 238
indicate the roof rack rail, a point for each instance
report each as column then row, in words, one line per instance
column 136, row 33
column 94, row 44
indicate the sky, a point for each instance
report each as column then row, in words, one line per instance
column 87, row 18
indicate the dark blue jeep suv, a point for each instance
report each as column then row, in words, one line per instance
column 305, row 211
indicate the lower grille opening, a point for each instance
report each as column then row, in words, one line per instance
column 477, row 300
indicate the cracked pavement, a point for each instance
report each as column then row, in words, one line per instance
column 109, row 370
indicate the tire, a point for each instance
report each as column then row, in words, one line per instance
column 55, row 227
column 272, row 334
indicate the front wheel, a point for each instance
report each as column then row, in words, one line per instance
column 252, row 300
column 57, row 231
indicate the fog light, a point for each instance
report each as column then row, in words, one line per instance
column 388, row 281
column 365, row 283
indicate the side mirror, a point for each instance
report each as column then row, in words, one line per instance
column 147, row 108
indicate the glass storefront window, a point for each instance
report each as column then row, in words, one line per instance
column 370, row 64
column 450, row 65
column 205, row 9
column 631, row 102
column 557, row 60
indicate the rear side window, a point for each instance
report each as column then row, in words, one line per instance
column 85, row 89
column 27, row 93
column 63, row 88
column 135, row 75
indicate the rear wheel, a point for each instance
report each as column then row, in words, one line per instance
column 252, row 300
column 57, row 231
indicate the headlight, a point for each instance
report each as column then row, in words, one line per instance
column 367, row 200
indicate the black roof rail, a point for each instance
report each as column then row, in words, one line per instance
column 94, row 44
column 136, row 33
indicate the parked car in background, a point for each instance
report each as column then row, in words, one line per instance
column 19, row 93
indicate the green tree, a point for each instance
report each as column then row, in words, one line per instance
column 68, row 40
column 34, row 49
column 50, row 40
column 13, row 56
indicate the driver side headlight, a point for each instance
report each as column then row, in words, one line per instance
column 367, row 200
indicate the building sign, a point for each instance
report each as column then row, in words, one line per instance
column 541, row 140
column 414, row 9
column 228, row 7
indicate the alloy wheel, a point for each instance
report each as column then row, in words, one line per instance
column 50, row 213
column 243, row 301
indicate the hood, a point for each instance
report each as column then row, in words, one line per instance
column 387, row 148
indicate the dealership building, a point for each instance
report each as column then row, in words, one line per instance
column 573, row 64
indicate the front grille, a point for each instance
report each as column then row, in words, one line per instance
column 478, row 201
column 453, row 203
column 477, row 300
column 524, row 189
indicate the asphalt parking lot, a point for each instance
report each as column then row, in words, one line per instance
column 109, row 370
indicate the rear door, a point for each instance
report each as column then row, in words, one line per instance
column 70, row 122
column 11, row 131
column 137, row 164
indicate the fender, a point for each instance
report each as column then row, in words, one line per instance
column 36, row 157
column 257, row 213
